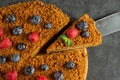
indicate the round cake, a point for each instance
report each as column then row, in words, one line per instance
column 27, row 33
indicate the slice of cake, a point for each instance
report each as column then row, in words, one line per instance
column 24, row 29
column 66, row 65
column 82, row 33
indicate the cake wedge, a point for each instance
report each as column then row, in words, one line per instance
column 82, row 33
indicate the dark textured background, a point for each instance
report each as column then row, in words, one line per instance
column 104, row 61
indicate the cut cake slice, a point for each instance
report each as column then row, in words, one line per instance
column 82, row 33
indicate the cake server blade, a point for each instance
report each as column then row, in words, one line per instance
column 109, row 24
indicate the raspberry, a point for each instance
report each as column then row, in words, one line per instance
column 5, row 43
column 11, row 75
column 1, row 32
column 33, row 37
column 72, row 33
column 41, row 77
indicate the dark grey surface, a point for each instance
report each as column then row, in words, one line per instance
column 104, row 61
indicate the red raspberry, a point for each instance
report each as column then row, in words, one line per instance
column 1, row 32
column 41, row 77
column 33, row 37
column 72, row 33
column 5, row 43
column 11, row 75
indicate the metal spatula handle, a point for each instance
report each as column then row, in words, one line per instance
column 109, row 24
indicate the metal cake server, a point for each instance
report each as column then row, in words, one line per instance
column 109, row 24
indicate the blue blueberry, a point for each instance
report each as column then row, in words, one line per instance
column 58, row 75
column 48, row 25
column 11, row 18
column 70, row 65
column 2, row 59
column 85, row 34
column 29, row 70
column 17, row 30
column 15, row 57
column 82, row 25
column 21, row 46
column 35, row 19
column 44, row 67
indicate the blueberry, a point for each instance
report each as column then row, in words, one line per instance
column 15, row 57
column 35, row 19
column 48, row 25
column 2, row 59
column 21, row 46
column 29, row 70
column 70, row 65
column 58, row 75
column 44, row 67
column 82, row 25
column 85, row 34
column 17, row 30
column 11, row 18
